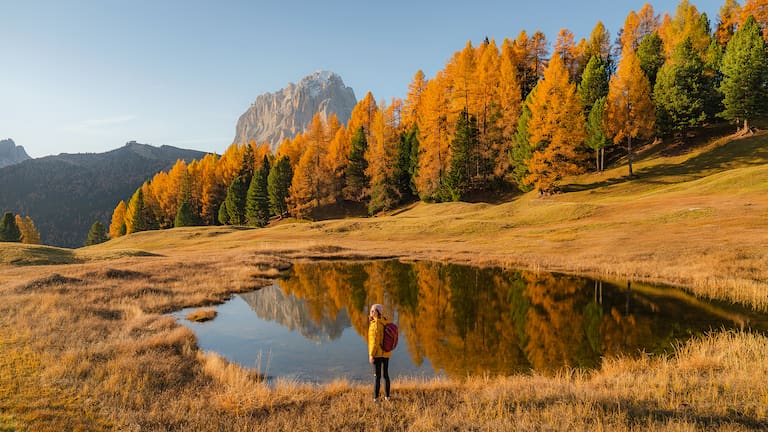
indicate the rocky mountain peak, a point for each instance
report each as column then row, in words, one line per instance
column 287, row 112
column 11, row 154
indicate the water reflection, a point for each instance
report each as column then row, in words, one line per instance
column 461, row 320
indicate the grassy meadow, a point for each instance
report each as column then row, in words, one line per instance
column 85, row 343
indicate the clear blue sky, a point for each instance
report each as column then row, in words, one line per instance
column 88, row 76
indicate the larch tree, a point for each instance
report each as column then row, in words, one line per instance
column 680, row 93
column 599, row 44
column 556, row 129
column 728, row 20
column 745, row 75
column 301, row 195
column 630, row 113
column 29, row 233
column 520, row 151
column 138, row 215
column 434, row 137
column 508, row 98
column 9, row 230
column 758, row 9
column 687, row 23
column 412, row 104
column 117, row 228
column 382, row 158
column 97, row 234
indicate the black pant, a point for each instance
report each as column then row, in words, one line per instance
column 378, row 362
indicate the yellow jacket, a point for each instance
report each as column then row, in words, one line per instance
column 375, row 337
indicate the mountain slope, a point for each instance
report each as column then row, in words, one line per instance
column 11, row 154
column 65, row 194
column 287, row 112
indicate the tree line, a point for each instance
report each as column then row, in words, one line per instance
column 494, row 117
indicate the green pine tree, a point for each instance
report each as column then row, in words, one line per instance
column 186, row 216
column 278, row 185
column 235, row 202
column 222, row 216
column 594, row 82
column 257, row 199
column 465, row 140
column 9, row 230
column 650, row 52
column 96, row 235
column 596, row 139
column 357, row 181
column 745, row 75
column 681, row 92
column 407, row 164
column 521, row 150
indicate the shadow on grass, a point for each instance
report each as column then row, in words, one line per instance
column 739, row 153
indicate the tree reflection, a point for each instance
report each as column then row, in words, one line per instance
column 470, row 321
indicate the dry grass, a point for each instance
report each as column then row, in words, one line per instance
column 85, row 344
column 201, row 315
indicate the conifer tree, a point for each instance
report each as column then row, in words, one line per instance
column 29, row 233
column 186, row 216
column 651, row 56
column 117, row 228
column 97, row 234
column 596, row 139
column 745, row 75
column 357, row 180
column 222, row 216
column 138, row 215
column 257, row 200
column 594, row 83
column 556, row 129
column 629, row 112
column 278, row 185
column 235, row 202
column 9, row 231
column 520, row 153
column 465, row 139
column 680, row 93
column 407, row 164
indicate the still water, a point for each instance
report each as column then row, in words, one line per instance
column 454, row 321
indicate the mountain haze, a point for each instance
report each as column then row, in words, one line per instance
column 65, row 194
column 287, row 112
column 11, row 154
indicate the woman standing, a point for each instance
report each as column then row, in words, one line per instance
column 376, row 355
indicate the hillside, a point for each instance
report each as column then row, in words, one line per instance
column 11, row 154
column 65, row 194
column 695, row 219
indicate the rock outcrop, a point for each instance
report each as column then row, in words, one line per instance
column 11, row 154
column 285, row 113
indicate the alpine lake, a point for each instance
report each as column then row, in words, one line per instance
column 311, row 325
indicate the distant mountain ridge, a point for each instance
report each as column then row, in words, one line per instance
column 287, row 112
column 65, row 194
column 11, row 154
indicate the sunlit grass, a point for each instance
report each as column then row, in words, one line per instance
column 201, row 315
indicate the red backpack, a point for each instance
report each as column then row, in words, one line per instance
column 389, row 342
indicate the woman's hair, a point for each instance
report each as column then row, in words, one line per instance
column 378, row 309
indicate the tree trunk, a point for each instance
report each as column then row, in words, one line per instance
column 629, row 155
column 597, row 160
column 602, row 159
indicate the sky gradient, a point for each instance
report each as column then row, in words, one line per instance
column 88, row 76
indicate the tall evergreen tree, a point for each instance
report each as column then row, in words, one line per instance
column 521, row 151
column 680, row 93
column 97, row 234
column 257, row 200
column 596, row 139
column 138, row 215
column 186, row 216
column 745, row 75
column 222, row 216
column 594, row 82
column 9, row 230
column 407, row 163
column 465, row 139
column 357, row 181
column 650, row 52
column 235, row 202
column 278, row 184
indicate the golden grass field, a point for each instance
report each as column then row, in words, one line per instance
column 85, row 344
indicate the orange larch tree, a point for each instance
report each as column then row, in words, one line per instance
column 556, row 128
column 630, row 112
